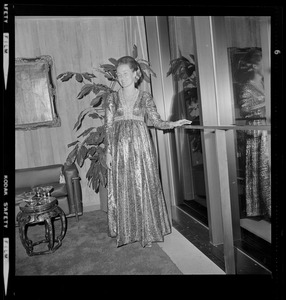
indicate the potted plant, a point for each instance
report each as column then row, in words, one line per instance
column 184, row 69
column 91, row 144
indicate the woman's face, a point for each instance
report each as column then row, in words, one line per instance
column 125, row 75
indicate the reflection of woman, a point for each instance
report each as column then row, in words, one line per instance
column 252, row 102
column 136, row 207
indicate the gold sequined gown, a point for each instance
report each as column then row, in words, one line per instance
column 136, row 206
column 257, row 167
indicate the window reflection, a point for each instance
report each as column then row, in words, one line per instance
column 246, row 38
column 186, row 105
column 252, row 145
column 249, row 64
column 251, row 104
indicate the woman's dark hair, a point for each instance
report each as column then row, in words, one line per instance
column 134, row 66
column 245, row 64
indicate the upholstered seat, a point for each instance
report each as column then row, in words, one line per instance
column 64, row 179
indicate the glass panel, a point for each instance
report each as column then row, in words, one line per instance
column 233, row 40
column 250, row 80
column 187, row 105
column 253, row 176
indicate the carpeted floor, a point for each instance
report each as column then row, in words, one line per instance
column 87, row 250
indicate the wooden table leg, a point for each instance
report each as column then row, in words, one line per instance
column 50, row 232
column 63, row 223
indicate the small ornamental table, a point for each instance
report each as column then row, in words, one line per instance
column 44, row 210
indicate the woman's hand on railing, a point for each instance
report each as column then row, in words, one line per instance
column 181, row 123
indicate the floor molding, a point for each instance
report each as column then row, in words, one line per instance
column 188, row 258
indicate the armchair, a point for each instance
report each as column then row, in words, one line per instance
column 67, row 191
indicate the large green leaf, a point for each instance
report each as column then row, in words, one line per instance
column 104, row 100
column 100, row 71
column 73, row 143
column 145, row 77
column 61, row 75
column 173, row 60
column 78, row 77
column 88, row 76
column 100, row 151
column 176, row 66
column 146, row 67
column 72, row 155
column 101, row 129
column 65, row 76
column 95, row 138
column 102, row 160
column 93, row 175
column 134, row 51
column 95, row 115
column 111, row 76
column 183, row 58
column 86, row 132
column 100, row 88
column 141, row 60
column 113, row 61
column 169, row 72
column 96, row 101
column 107, row 67
column 181, row 67
column 192, row 59
column 86, row 89
column 92, row 152
column 99, row 99
column 81, row 116
column 190, row 70
column 81, row 155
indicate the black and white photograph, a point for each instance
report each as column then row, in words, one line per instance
column 137, row 141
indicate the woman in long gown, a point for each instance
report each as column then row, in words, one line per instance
column 136, row 206
column 257, row 168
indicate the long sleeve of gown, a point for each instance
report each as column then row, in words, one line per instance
column 109, row 117
column 252, row 102
column 153, row 115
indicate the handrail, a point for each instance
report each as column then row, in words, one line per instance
column 229, row 127
column 224, row 127
column 250, row 118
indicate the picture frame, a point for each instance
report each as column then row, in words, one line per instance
column 235, row 54
column 35, row 94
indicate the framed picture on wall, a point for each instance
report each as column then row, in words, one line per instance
column 235, row 55
column 35, row 96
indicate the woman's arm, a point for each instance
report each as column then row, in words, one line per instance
column 155, row 118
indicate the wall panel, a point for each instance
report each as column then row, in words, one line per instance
column 77, row 44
